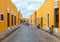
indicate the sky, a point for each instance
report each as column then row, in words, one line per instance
column 28, row 7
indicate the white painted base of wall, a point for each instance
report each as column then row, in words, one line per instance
column 47, row 29
column 15, row 26
column 55, row 30
column 8, row 28
column 12, row 26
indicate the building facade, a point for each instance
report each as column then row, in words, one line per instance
column 9, row 17
column 48, row 15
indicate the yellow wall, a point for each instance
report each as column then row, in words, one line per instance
column 6, row 6
column 39, row 15
column 43, row 11
column 33, row 19
column 13, row 11
column 3, row 24
column 30, row 19
column 19, row 17
column 47, row 8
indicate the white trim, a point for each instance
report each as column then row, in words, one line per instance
column 55, row 30
column 9, row 28
column 56, row 4
column 1, row 21
column 12, row 11
column 8, row 10
column 15, row 26
column 12, row 26
column 56, row 0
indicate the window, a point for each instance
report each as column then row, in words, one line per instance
column 1, row 17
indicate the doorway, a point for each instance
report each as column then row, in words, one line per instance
column 48, row 20
column 41, row 21
column 56, row 17
column 15, row 19
column 12, row 20
column 8, row 19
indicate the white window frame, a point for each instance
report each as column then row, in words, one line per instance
column 56, row 4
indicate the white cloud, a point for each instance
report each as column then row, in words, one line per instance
column 27, row 7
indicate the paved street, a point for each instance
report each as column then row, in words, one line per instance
column 30, row 34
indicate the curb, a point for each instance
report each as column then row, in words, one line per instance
column 9, row 33
column 50, row 34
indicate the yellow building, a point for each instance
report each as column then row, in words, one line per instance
column 39, row 15
column 3, row 24
column 48, row 16
column 19, row 18
column 9, row 17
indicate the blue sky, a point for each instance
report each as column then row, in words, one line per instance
column 28, row 7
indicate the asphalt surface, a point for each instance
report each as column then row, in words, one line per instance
column 30, row 34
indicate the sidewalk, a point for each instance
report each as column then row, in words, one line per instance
column 7, row 33
column 57, row 35
column 47, row 36
column 54, row 34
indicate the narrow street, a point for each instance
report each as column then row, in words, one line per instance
column 30, row 34
column 29, row 20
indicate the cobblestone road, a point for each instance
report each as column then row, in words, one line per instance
column 30, row 34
